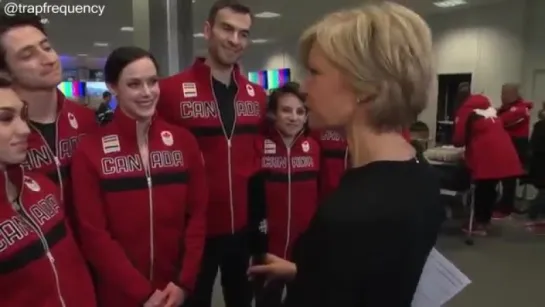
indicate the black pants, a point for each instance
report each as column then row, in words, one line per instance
column 229, row 253
column 271, row 294
column 485, row 200
column 506, row 203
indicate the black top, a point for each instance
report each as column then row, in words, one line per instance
column 49, row 132
column 368, row 242
column 225, row 95
column 537, row 160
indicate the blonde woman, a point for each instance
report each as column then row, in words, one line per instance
column 370, row 74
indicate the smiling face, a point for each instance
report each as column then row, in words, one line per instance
column 227, row 35
column 32, row 62
column 137, row 89
column 290, row 116
column 14, row 130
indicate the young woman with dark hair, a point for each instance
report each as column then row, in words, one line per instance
column 140, row 194
column 40, row 262
column 288, row 184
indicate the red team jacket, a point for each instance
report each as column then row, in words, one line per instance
column 187, row 99
column 516, row 118
column 290, row 188
column 40, row 263
column 140, row 229
column 489, row 151
column 334, row 159
column 73, row 121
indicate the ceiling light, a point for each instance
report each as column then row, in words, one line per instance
column 100, row 44
column 82, row 54
column 449, row 3
column 260, row 41
column 198, row 35
column 127, row 29
column 267, row 15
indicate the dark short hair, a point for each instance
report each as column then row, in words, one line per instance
column 120, row 58
column 106, row 94
column 230, row 4
column 8, row 22
column 292, row 88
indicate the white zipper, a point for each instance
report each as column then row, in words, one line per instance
column 228, row 138
column 55, row 154
column 346, row 158
column 19, row 208
column 288, row 233
column 147, row 169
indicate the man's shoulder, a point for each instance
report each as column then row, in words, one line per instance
column 187, row 75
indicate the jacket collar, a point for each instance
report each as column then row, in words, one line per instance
column 278, row 138
column 126, row 125
column 204, row 70
column 14, row 174
column 61, row 99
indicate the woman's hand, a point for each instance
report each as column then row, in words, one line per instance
column 274, row 267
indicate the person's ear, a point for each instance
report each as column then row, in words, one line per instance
column 112, row 89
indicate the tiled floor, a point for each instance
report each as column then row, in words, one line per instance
column 507, row 268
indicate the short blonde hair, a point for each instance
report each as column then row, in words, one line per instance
column 385, row 51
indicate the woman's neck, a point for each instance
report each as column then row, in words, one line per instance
column 142, row 127
column 366, row 146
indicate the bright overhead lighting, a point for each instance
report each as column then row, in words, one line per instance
column 260, row 41
column 100, row 44
column 267, row 15
column 198, row 35
column 449, row 3
column 82, row 54
column 127, row 29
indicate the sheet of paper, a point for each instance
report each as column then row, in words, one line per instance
column 441, row 280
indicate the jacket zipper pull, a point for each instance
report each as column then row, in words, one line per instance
column 229, row 143
column 50, row 257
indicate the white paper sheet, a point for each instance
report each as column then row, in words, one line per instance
column 441, row 280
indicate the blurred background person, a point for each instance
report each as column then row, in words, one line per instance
column 225, row 112
column 536, row 212
column 515, row 114
column 489, row 155
column 41, row 265
column 541, row 113
column 104, row 113
column 288, row 189
column 141, row 194
column 369, row 240
column 56, row 123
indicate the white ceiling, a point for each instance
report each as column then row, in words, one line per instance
column 75, row 34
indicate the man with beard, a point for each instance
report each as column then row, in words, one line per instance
column 56, row 123
column 224, row 110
